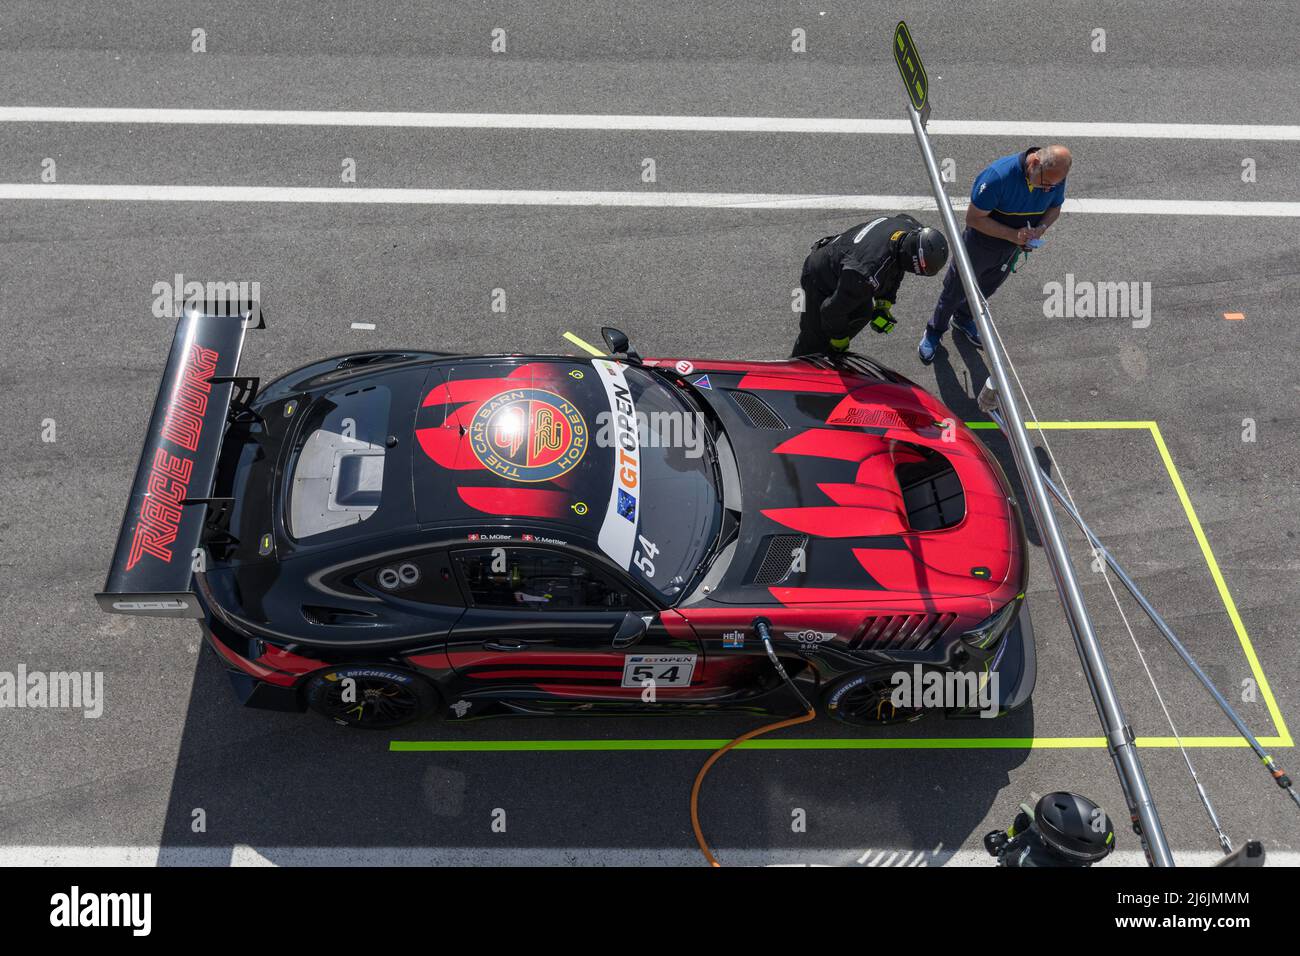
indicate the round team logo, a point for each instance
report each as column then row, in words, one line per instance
column 528, row 434
column 684, row 367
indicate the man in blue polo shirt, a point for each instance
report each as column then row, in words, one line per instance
column 1012, row 203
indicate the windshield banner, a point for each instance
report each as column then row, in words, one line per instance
column 618, row 532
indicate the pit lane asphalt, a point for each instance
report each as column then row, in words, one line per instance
column 82, row 348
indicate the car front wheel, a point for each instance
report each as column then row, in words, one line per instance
column 863, row 700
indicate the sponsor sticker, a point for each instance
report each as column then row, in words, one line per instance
column 684, row 367
column 617, row 536
column 665, row 670
column 733, row 639
column 810, row 640
column 528, row 434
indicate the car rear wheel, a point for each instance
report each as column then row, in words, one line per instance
column 864, row 701
column 370, row 697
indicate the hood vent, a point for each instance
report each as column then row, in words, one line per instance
column 779, row 558
column 901, row 632
column 759, row 413
column 855, row 363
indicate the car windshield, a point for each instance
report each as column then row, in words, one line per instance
column 665, row 508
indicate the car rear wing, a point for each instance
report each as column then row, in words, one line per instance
column 155, row 557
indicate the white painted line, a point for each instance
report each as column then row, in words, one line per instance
column 364, row 326
column 244, row 855
column 617, row 122
column 562, row 197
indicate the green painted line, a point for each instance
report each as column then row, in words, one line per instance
column 832, row 743
column 544, row 746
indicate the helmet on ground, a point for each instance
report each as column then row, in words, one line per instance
column 1074, row 826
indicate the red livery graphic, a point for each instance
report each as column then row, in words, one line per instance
column 184, row 422
column 160, row 512
column 169, row 475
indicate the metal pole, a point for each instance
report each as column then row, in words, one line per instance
column 1119, row 735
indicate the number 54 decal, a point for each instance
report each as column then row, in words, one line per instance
column 642, row 558
column 666, row 670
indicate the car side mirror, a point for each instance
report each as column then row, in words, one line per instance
column 618, row 343
column 631, row 630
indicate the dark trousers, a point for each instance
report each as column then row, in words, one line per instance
column 991, row 260
column 813, row 339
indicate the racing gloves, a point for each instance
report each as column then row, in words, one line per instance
column 840, row 345
column 882, row 319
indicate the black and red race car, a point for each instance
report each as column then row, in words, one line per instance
column 385, row 535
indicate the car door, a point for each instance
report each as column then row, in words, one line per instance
column 543, row 623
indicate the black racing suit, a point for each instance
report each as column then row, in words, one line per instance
column 843, row 278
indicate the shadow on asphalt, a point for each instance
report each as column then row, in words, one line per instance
column 296, row 788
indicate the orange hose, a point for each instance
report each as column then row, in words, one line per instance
column 713, row 758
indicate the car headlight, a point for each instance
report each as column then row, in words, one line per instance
column 990, row 630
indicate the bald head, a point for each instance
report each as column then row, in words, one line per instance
column 1054, row 161
column 1057, row 156
column 1049, row 165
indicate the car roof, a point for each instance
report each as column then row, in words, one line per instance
column 512, row 442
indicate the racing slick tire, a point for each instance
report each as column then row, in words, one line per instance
column 862, row 699
column 380, row 696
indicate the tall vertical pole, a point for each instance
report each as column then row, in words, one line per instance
column 1119, row 735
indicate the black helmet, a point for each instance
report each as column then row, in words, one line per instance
column 1074, row 827
column 923, row 251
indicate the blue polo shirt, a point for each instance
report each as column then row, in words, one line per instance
column 1003, row 191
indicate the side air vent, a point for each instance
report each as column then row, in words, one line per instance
column 759, row 413
column 323, row 616
column 779, row 558
column 901, row 632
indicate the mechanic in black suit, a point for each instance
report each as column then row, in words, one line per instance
column 852, row 279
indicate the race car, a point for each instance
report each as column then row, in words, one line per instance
column 383, row 536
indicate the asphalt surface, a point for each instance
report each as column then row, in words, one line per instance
column 84, row 349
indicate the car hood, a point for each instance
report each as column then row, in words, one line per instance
column 823, row 455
